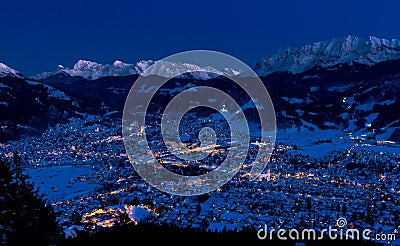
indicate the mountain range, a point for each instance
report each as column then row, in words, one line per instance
column 91, row 70
column 369, row 51
column 347, row 50
column 349, row 83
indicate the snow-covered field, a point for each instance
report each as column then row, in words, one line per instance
column 317, row 143
column 61, row 182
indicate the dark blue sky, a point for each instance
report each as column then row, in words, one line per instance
column 38, row 35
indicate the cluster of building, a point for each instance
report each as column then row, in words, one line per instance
column 296, row 190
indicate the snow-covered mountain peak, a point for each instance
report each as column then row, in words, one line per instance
column 142, row 65
column 232, row 72
column 369, row 50
column 93, row 70
column 118, row 63
column 7, row 71
column 170, row 69
column 84, row 65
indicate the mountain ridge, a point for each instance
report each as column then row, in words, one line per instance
column 90, row 70
column 6, row 71
column 345, row 50
column 368, row 50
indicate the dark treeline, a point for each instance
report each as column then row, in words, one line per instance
column 25, row 217
column 130, row 233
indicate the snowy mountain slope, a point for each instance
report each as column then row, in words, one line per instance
column 348, row 97
column 167, row 69
column 6, row 71
column 368, row 51
column 28, row 107
column 343, row 96
column 91, row 70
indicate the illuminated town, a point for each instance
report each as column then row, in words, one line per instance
column 309, row 183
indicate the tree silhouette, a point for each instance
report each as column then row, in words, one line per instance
column 344, row 209
column 24, row 215
column 309, row 205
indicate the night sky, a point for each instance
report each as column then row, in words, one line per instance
column 36, row 36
